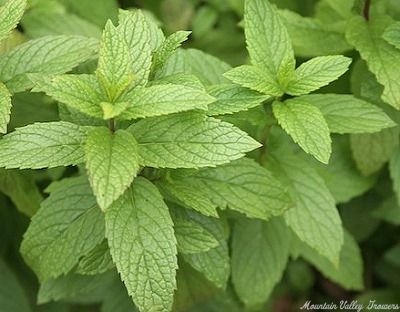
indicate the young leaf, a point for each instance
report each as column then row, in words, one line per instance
column 141, row 237
column 5, row 108
column 382, row 58
column 268, row 42
column 12, row 294
column 241, row 185
column 232, row 99
column 68, row 225
column 347, row 114
column 193, row 237
column 43, row 145
column 314, row 219
column 254, row 78
column 306, row 125
column 260, row 251
column 317, row 72
column 80, row 92
column 189, row 140
column 349, row 273
column 114, row 70
column 372, row 151
column 168, row 47
column 164, row 99
column 10, row 14
column 46, row 55
column 139, row 34
column 207, row 68
column 112, row 163
column 392, row 34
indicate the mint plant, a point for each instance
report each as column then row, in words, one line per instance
column 149, row 175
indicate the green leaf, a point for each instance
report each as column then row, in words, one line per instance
column 260, row 251
column 43, row 145
column 192, row 237
column 372, row 150
column 10, row 14
column 168, row 47
column 140, row 234
column 142, row 37
column 314, row 219
column 232, row 99
column 254, row 78
column 12, row 295
column 46, row 55
column 116, row 299
column 114, row 70
column 112, row 163
column 97, row 261
column 306, row 125
column 394, row 170
column 241, row 185
column 349, row 273
column 388, row 211
column 382, row 58
column 76, row 288
column 317, row 72
column 80, row 92
column 207, row 68
column 268, row 42
column 22, row 190
column 347, row 114
column 392, row 34
column 164, row 99
column 214, row 263
column 5, row 108
column 310, row 37
column 191, row 141
column 67, row 226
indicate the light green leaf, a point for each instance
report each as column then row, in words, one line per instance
column 97, row 261
column 192, row 237
column 314, row 219
column 256, row 79
column 67, row 226
column 186, row 80
column 232, row 99
column 214, row 263
column 12, row 295
column 113, row 110
column 392, row 34
column 5, row 108
column 310, row 37
column 10, row 14
column 21, row 188
column 142, row 37
column 140, row 234
column 112, row 163
column 114, row 70
column 46, row 55
column 241, row 185
column 260, row 251
column 347, row 114
column 382, row 58
column 268, row 42
column 189, row 140
column 394, row 170
column 168, row 47
column 164, row 99
column 306, row 125
column 207, row 68
column 372, row 150
column 80, row 92
column 43, row 145
column 317, row 72
column 349, row 273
